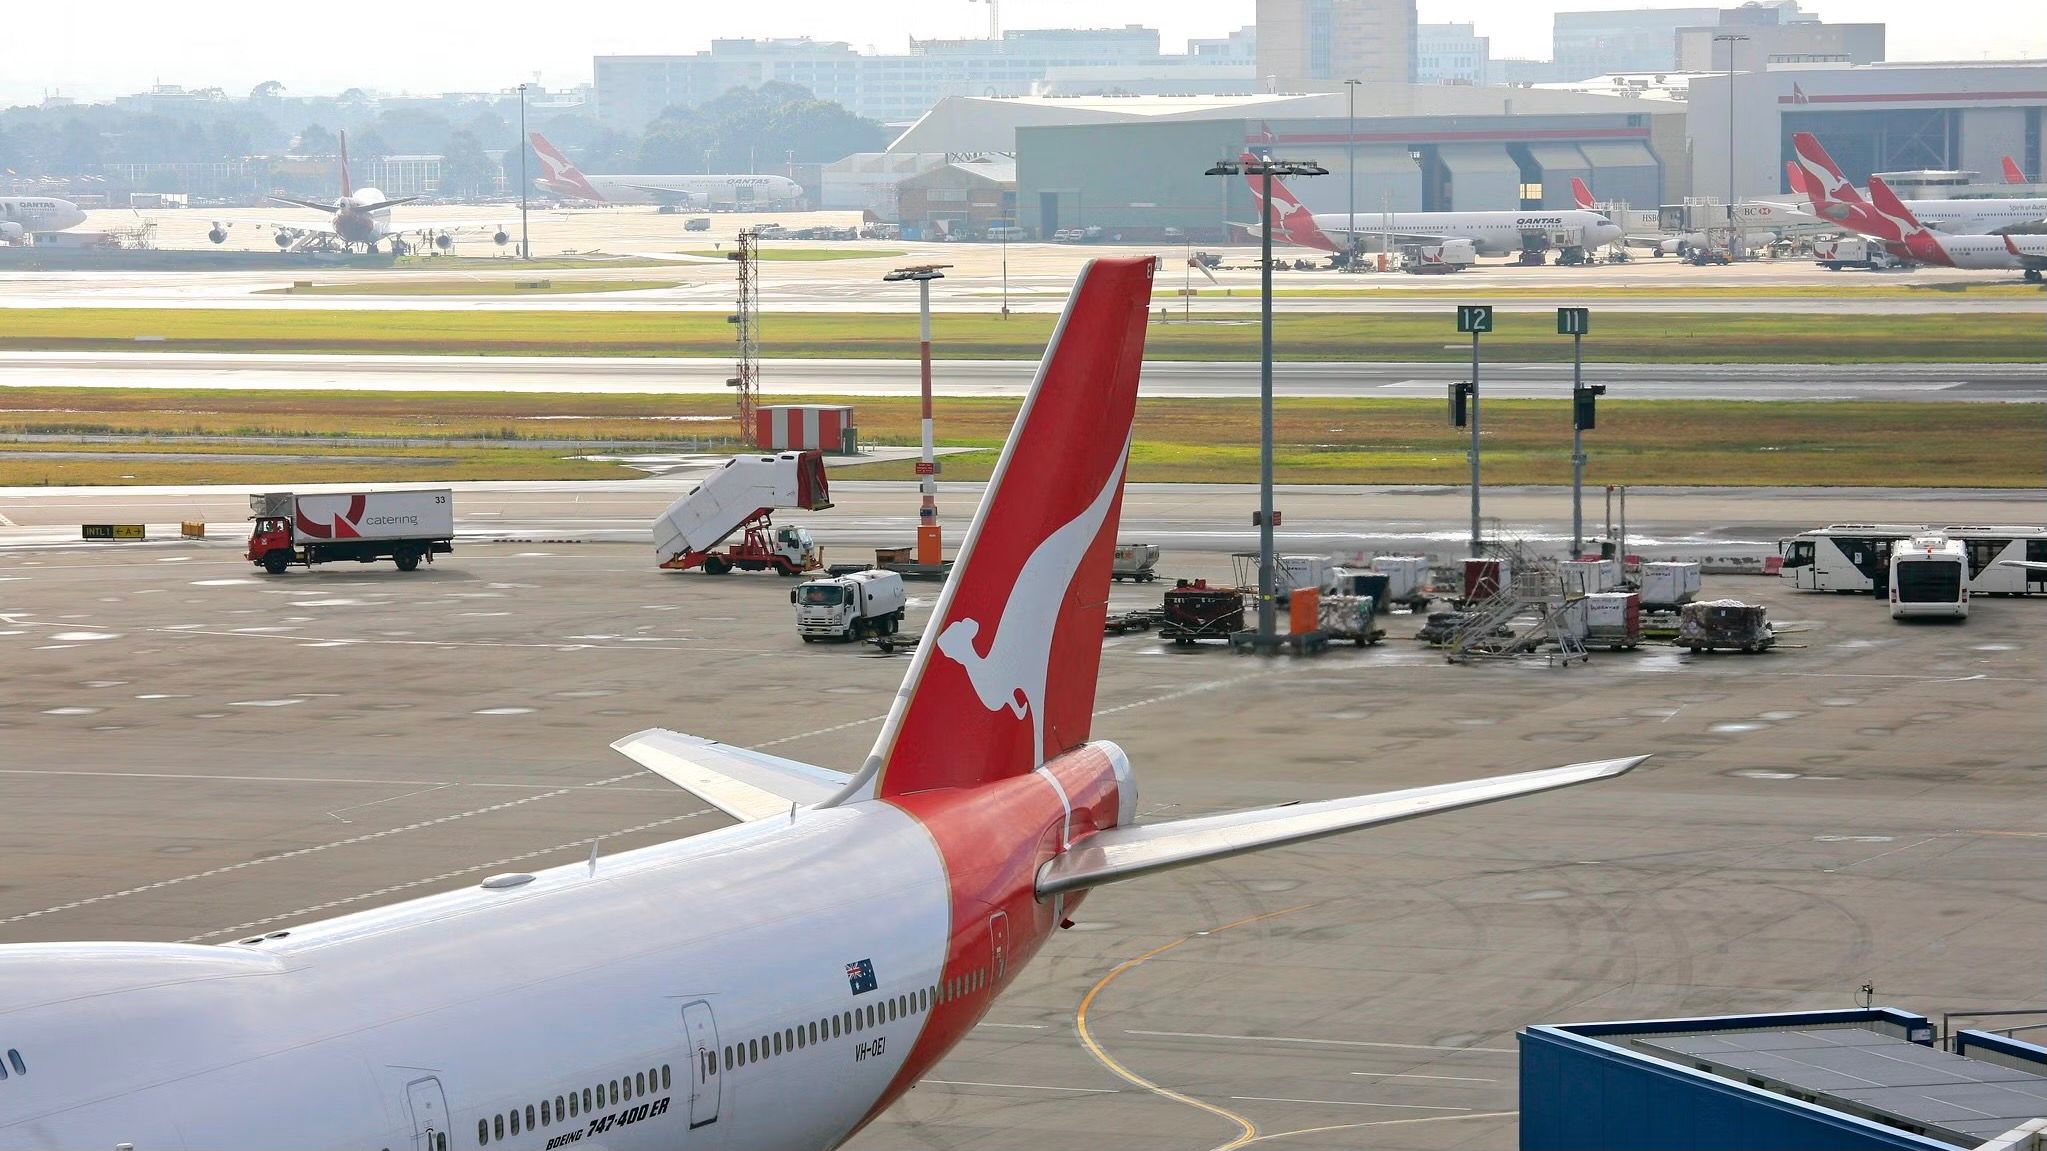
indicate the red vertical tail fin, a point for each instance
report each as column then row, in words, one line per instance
column 1292, row 222
column 2013, row 174
column 1582, row 195
column 1898, row 221
column 560, row 176
column 347, row 182
column 1794, row 178
column 1005, row 678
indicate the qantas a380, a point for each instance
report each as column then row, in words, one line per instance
column 770, row 986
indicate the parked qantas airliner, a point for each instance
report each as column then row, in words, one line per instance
column 1490, row 233
column 1834, row 198
column 771, row 986
column 1887, row 218
column 564, row 179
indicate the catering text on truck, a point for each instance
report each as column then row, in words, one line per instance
column 403, row 526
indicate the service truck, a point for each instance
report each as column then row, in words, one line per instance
column 1851, row 252
column 403, row 526
column 849, row 607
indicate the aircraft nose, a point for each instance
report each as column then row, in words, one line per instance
column 73, row 218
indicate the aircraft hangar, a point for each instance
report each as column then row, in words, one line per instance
column 1134, row 165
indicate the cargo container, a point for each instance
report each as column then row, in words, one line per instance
column 1483, row 578
column 1195, row 611
column 1136, row 562
column 1588, row 577
column 1669, row 585
column 1355, row 582
column 403, row 526
column 1614, row 618
column 1407, row 579
column 1293, row 572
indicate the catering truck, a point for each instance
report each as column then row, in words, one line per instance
column 849, row 607
column 404, row 527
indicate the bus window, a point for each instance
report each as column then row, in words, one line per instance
column 1800, row 554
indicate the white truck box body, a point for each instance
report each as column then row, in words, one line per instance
column 1295, row 572
column 1407, row 577
column 1668, row 584
column 375, row 515
column 1588, row 577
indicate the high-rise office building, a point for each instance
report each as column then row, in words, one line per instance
column 1451, row 54
column 1315, row 45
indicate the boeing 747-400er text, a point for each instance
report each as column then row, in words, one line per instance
column 1490, row 233
column 562, row 178
column 360, row 217
column 770, row 986
column 21, row 217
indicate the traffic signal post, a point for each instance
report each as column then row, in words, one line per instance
column 1575, row 323
column 1475, row 319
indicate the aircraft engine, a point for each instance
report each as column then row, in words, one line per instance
column 501, row 238
column 283, row 239
column 217, row 234
column 444, row 241
column 11, row 233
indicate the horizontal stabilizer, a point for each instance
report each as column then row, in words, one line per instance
column 1128, row 852
column 745, row 784
column 315, row 205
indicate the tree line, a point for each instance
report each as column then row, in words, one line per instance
column 746, row 129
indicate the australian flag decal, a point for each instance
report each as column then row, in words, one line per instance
column 861, row 976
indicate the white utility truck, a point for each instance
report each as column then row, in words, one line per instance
column 849, row 607
column 404, row 527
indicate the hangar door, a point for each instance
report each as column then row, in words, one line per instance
column 1624, row 171
column 1480, row 177
column 1559, row 163
column 1388, row 177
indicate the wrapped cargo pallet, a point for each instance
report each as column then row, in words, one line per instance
column 1349, row 617
column 1710, row 625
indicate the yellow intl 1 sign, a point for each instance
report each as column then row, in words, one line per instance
column 110, row 531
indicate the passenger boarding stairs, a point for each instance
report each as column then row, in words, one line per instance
column 1533, row 596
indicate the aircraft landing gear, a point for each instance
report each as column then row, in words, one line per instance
column 2034, row 276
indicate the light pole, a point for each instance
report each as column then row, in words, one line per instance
column 525, row 243
column 930, row 543
column 1267, row 638
column 1733, row 225
column 1350, row 168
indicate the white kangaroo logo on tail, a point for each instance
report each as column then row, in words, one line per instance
column 1012, row 675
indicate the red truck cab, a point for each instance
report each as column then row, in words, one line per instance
column 270, row 543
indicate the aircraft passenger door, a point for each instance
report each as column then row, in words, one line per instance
column 429, row 1114
column 998, row 942
column 702, row 1028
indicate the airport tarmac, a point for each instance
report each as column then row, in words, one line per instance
column 194, row 751
column 599, row 375
column 1678, row 522
column 1038, row 276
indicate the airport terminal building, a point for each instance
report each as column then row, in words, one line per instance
column 1134, row 166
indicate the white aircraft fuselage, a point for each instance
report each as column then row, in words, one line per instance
column 21, row 217
column 1490, row 233
column 705, row 189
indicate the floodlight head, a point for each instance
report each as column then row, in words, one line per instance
column 916, row 272
column 1224, row 168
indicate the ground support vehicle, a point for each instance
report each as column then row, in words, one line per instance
column 1136, row 562
column 1929, row 577
column 741, row 497
column 404, row 526
column 1725, row 625
column 1195, row 611
column 1851, row 252
column 1123, row 623
column 902, row 561
column 849, row 607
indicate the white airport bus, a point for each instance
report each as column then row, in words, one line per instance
column 1929, row 576
column 1856, row 558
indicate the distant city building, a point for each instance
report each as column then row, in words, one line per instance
column 1239, row 47
column 403, row 175
column 892, row 88
column 1681, row 39
column 1451, row 54
column 1315, row 45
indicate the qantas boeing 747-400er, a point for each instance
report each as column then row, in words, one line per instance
column 771, row 986
column 359, row 217
column 562, row 178
column 1490, row 233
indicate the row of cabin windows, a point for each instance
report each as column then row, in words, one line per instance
column 13, row 1062
column 852, row 1022
column 572, row 1105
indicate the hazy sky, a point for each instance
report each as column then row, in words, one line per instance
column 434, row 45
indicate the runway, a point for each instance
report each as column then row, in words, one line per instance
column 1999, row 383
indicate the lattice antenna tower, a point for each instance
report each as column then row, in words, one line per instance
column 747, row 319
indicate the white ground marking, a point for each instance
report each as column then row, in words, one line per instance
column 1319, row 1042
column 1342, row 1103
column 493, row 865
column 84, row 636
column 336, row 813
column 1419, row 1076
column 303, row 851
column 265, row 702
column 1023, row 1086
column 71, row 711
column 503, row 711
